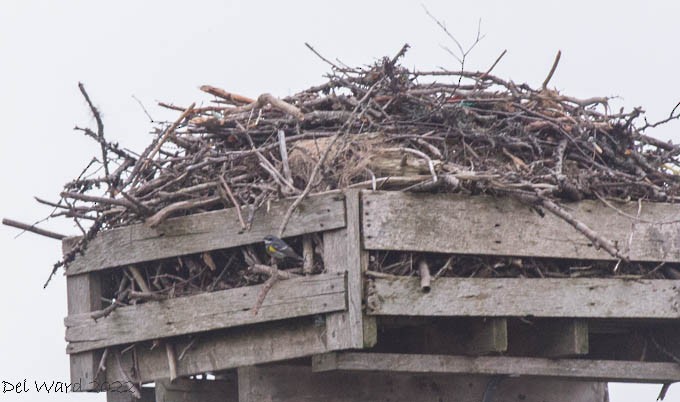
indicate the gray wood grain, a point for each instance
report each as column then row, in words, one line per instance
column 591, row 370
column 290, row 383
column 207, row 311
column 226, row 349
column 487, row 336
column 186, row 390
column 83, row 294
column 204, row 232
column 449, row 223
column 514, row 297
column 565, row 338
column 343, row 253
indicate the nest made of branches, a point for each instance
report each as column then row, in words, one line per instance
column 381, row 126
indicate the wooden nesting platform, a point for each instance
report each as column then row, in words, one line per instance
column 590, row 329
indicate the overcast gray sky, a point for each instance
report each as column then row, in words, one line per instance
column 164, row 50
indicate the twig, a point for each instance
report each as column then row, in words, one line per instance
column 101, row 200
column 230, row 97
column 271, row 271
column 139, row 279
column 102, row 364
column 376, row 274
column 100, row 127
column 133, row 387
column 225, row 187
column 330, row 63
column 186, row 349
column 284, row 155
column 151, row 120
column 146, row 295
column 494, row 64
column 277, row 103
column 266, row 287
column 33, row 229
column 444, row 268
column 111, row 307
column 552, row 70
column 169, row 132
column 161, row 215
column 151, row 151
column 664, row 121
column 597, row 240
column 172, row 360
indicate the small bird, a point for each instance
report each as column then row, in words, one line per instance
column 278, row 249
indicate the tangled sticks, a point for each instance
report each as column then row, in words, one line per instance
column 381, row 127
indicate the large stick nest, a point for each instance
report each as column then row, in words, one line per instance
column 382, row 127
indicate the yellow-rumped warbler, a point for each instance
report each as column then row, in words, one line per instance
column 278, row 248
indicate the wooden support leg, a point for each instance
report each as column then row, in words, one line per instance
column 487, row 336
column 561, row 337
column 343, row 252
column 564, row 338
column 281, row 383
column 115, row 396
column 84, row 295
column 186, row 390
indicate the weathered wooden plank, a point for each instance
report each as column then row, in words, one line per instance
column 514, row 297
column 204, row 232
column 226, row 349
column 488, row 335
column 448, row 223
column 591, row 370
column 288, row 383
column 186, row 390
column 208, row 311
column 83, row 296
column 123, row 395
column 564, row 338
column 343, row 252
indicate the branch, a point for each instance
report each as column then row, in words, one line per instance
column 552, row 69
column 100, row 127
column 232, row 98
column 33, row 229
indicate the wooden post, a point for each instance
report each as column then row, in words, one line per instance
column 564, row 338
column 343, row 252
column 487, row 336
column 147, row 396
column 287, row 383
column 84, row 295
column 186, row 390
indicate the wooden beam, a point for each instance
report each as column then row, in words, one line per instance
column 449, row 223
column 83, row 296
column 207, row 311
column 204, row 232
column 564, row 338
column 186, row 390
column 514, row 297
column 226, row 349
column 591, row 370
column 343, row 252
column 488, row 335
column 288, row 383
